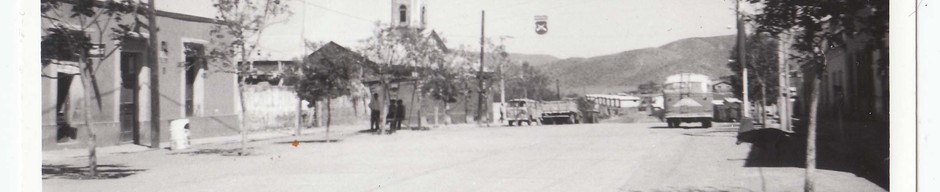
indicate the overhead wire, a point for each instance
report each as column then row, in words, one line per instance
column 336, row 11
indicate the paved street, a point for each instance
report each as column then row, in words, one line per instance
column 586, row 157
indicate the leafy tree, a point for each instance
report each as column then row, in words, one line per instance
column 763, row 68
column 242, row 23
column 817, row 26
column 426, row 53
column 443, row 84
column 388, row 48
column 67, row 42
column 324, row 79
column 649, row 88
column 528, row 82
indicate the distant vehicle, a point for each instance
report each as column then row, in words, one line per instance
column 688, row 99
column 560, row 112
column 523, row 110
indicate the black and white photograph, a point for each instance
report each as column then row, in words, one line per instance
column 458, row 95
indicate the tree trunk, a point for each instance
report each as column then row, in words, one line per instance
column 413, row 103
column 241, row 119
column 300, row 103
column 241, row 101
column 92, row 137
column 763, row 103
column 420, row 110
column 383, row 111
column 315, row 118
column 809, row 184
column 329, row 117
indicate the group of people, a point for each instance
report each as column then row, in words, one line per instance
column 396, row 113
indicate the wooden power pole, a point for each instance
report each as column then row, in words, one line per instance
column 480, row 73
column 154, row 78
column 745, row 105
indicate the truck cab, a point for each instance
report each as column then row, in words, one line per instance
column 523, row 110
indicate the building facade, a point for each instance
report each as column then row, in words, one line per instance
column 190, row 86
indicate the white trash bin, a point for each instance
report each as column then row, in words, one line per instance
column 179, row 134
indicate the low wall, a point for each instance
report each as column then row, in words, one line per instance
column 274, row 107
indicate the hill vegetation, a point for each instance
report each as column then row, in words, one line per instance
column 626, row 70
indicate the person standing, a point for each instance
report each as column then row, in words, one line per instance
column 399, row 113
column 392, row 115
column 374, row 107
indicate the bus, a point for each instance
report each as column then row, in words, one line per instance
column 688, row 99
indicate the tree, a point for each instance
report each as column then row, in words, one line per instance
column 67, row 42
column 817, row 26
column 649, row 88
column 387, row 48
column 528, row 82
column 426, row 53
column 763, row 67
column 237, row 37
column 445, row 82
column 325, row 79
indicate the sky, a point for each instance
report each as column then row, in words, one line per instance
column 577, row 28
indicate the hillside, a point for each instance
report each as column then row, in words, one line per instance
column 624, row 71
column 533, row 59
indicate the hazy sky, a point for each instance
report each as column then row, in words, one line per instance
column 577, row 28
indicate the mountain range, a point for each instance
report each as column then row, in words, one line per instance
column 623, row 71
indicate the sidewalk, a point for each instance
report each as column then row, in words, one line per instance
column 336, row 130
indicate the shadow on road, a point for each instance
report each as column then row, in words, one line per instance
column 81, row 173
column 222, row 152
column 679, row 127
column 310, row 141
column 791, row 152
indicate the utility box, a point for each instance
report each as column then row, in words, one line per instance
column 179, row 134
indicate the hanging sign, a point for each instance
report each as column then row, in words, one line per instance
column 541, row 24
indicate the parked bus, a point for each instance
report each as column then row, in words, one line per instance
column 688, row 99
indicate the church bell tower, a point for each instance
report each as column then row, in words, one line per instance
column 409, row 13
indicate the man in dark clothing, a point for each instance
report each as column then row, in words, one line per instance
column 392, row 115
column 399, row 114
column 374, row 107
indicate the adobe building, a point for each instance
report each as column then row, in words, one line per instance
column 190, row 87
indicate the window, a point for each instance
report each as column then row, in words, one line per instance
column 402, row 14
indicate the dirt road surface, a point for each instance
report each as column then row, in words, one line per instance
column 584, row 157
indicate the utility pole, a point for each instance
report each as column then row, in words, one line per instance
column 154, row 78
column 745, row 106
column 502, row 86
column 303, row 59
column 788, row 106
column 783, row 88
column 558, row 89
column 480, row 73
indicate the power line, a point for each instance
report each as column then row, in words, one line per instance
column 337, row 12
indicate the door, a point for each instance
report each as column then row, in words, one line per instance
column 128, row 102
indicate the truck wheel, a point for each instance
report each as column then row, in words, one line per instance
column 510, row 123
column 529, row 122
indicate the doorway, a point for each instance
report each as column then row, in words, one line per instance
column 130, row 67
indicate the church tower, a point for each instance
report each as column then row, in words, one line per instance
column 409, row 13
